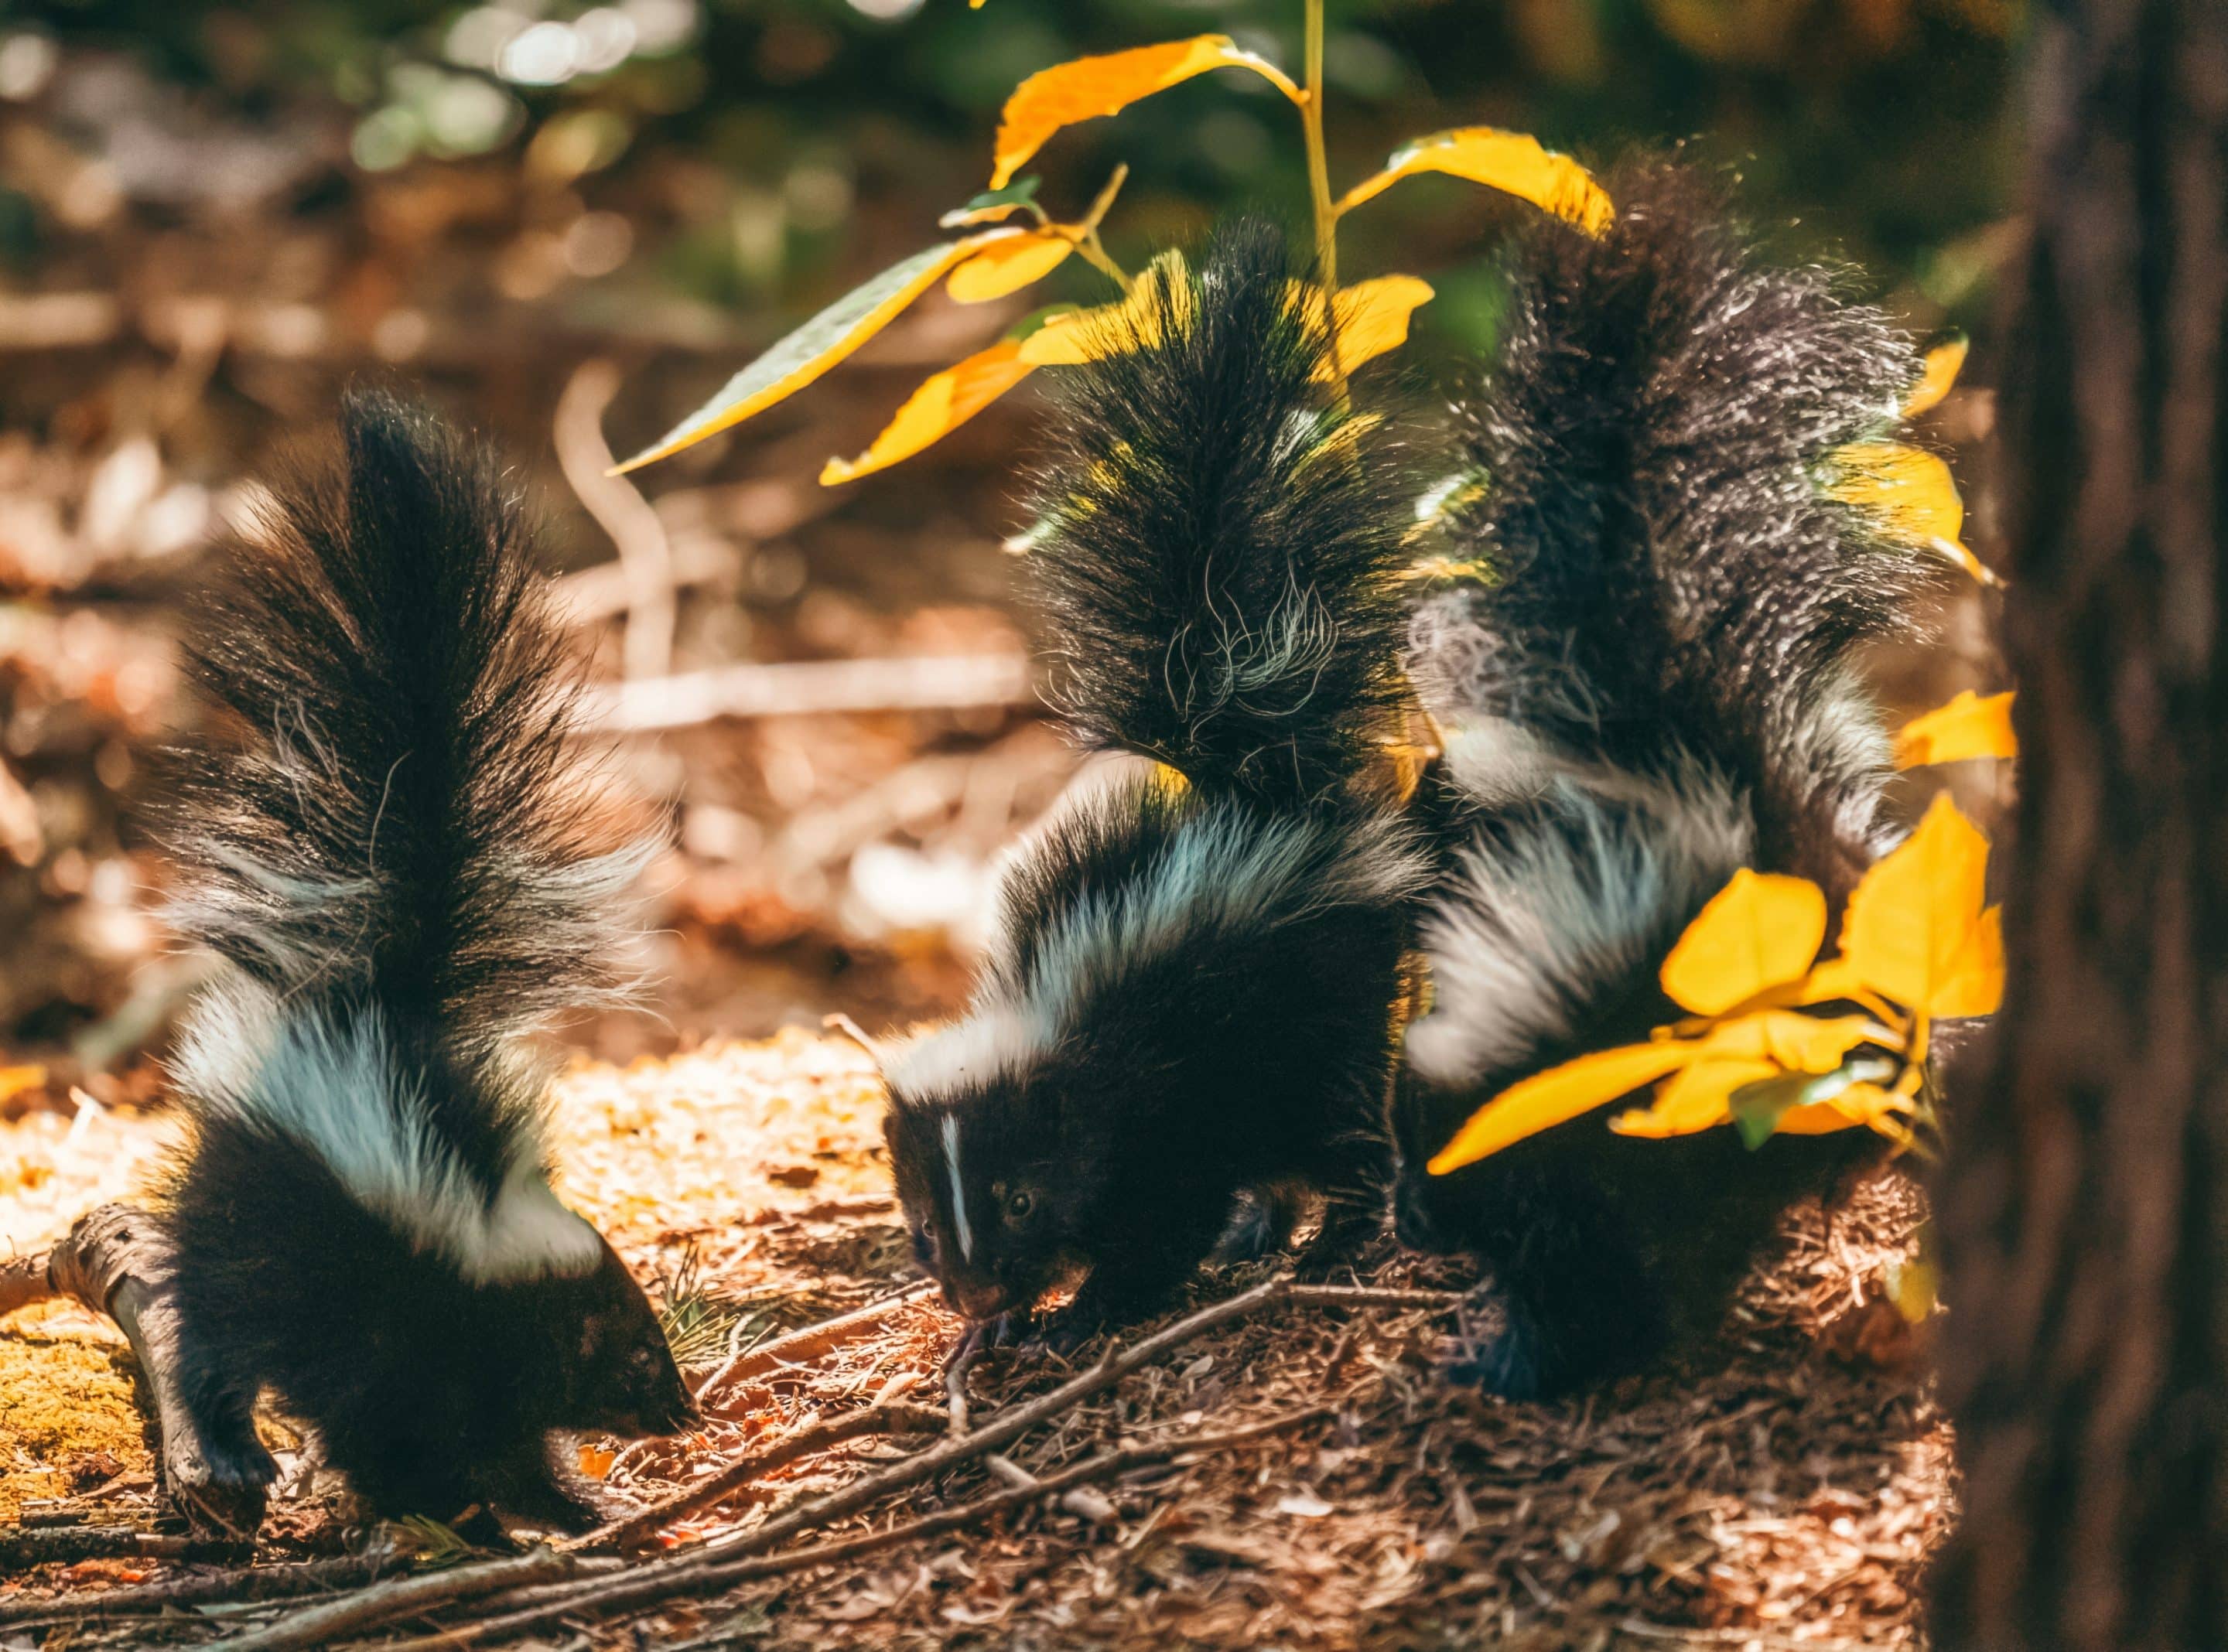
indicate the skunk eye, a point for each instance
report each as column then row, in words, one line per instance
column 1020, row 1202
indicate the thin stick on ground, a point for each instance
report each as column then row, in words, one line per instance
column 893, row 1417
column 618, row 1593
column 233, row 1584
column 964, row 1356
column 807, row 1343
column 678, row 1574
column 384, row 1603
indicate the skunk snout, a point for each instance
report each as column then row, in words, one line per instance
column 977, row 1299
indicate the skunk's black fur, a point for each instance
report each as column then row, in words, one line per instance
column 1216, row 582
column 1652, row 687
column 1193, row 997
column 385, row 837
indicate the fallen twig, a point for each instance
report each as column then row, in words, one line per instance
column 806, row 687
column 893, row 1418
column 383, row 1603
column 712, row 1565
column 645, row 555
column 28, row 1545
column 807, row 1343
column 962, row 1359
column 639, row 1589
column 248, row 1582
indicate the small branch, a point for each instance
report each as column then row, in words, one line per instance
column 29, row 1546
column 321, row 1624
column 234, row 1584
column 645, row 557
column 808, row 1342
column 714, row 1564
column 895, row 1418
column 23, row 1281
column 809, row 687
column 955, row 1376
column 836, row 1020
column 639, row 1589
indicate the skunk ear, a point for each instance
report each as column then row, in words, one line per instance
column 837, row 1021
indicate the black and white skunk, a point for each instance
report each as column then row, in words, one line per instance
column 386, row 839
column 1652, row 687
column 1191, row 998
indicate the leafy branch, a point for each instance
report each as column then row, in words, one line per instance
column 1001, row 256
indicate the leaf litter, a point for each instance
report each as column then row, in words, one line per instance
column 1782, row 1488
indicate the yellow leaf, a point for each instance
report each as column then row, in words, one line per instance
column 596, row 1460
column 1974, row 984
column 1693, row 1099
column 1373, row 319
column 1859, row 1105
column 1790, row 1041
column 1009, row 266
column 1968, row 726
column 1092, row 86
column 1908, row 490
column 1162, row 293
column 1943, row 363
column 944, row 402
column 1761, row 930
column 813, row 348
column 1510, row 162
column 1562, row 1093
column 1915, row 930
column 1911, row 495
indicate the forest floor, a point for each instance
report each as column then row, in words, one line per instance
column 1784, row 1489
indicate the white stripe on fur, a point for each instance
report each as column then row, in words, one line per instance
column 958, row 1190
column 339, row 1092
column 1534, row 928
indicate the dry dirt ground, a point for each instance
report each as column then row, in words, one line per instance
column 1783, row 1490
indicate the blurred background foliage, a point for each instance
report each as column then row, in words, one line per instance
column 213, row 216
column 788, row 138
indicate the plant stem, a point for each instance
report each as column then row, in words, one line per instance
column 1318, row 164
column 1311, row 121
column 1093, row 248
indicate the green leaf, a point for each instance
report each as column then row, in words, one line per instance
column 1758, row 1108
column 813, row 348
column 992, row 206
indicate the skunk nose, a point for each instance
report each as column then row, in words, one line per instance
column 984, row 1301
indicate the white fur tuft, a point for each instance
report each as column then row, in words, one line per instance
column 339, row 1090
column 1534, row 927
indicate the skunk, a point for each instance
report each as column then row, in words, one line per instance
column 384, row 840
column 1188, row 1016
column 1652, row 687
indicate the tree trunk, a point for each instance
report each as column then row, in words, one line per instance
column 2083, row 1206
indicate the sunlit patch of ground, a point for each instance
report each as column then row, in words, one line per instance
column 1770, row 1495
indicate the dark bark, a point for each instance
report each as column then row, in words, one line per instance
column 2085, row 1230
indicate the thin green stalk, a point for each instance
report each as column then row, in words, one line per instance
column 1318, row 163
column 1311, row 121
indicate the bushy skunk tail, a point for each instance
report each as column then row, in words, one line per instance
column 391, row 844
column 393, row 817
column 1670, row 572
column 1218, row 543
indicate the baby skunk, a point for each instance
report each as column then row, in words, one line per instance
column 385, row 844
column 1653, row 689
column 1192, row 996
